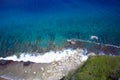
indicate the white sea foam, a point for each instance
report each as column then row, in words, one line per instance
column 94, row 37
column 47, row 57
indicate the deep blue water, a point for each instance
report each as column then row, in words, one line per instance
column 31, row 24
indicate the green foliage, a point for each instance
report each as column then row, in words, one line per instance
column 99, row 68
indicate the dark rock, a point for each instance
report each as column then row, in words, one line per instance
column 27, row 63
column 5, row 62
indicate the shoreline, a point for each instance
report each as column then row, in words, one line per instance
column 56, row 69
column 42, row 71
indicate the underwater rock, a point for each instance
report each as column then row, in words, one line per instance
column 94, row 47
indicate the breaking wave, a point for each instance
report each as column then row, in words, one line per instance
column 47, row 57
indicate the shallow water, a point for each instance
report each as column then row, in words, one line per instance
column 29, row 25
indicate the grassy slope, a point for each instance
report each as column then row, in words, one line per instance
column 98, row 68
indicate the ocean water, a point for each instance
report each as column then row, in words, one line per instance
column 41, row 25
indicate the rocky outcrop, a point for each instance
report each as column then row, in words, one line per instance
column 61, row 68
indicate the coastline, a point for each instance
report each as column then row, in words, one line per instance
column 77, row 53
column 42, row 71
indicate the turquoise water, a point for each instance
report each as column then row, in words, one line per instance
column 35, row 24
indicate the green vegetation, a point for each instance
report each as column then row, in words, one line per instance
column 98, row 68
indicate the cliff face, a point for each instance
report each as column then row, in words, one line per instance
column 98, row 68
column 42, row 71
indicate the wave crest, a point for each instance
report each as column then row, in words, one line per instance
column 47, row 57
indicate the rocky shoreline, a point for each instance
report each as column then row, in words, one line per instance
column 41, row 71
column 13, row 70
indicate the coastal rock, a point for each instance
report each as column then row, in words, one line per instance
column 61, row 68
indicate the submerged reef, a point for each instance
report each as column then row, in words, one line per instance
column 95, row 47
column 12, row 46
